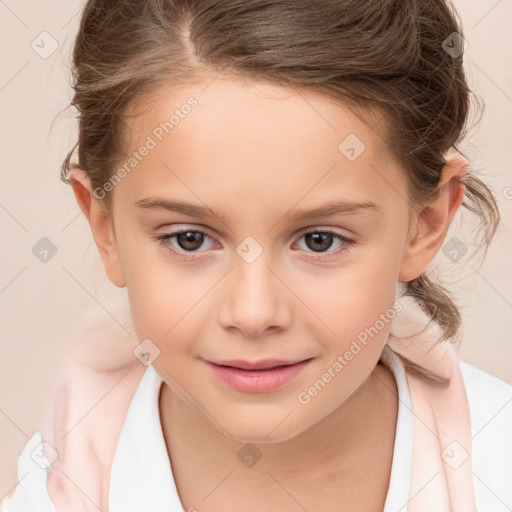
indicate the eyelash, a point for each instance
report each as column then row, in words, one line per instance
column 186, row 256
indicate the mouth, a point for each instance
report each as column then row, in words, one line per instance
column 264, row 364
column 259, row 376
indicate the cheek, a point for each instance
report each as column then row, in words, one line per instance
column 345, row 300
column 160, row 303
column 156, row 291
column 354, row 313
column 169, row 303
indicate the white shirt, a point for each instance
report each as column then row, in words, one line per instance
column 142, row 478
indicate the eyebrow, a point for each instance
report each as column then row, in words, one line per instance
column 332, row 208
column 178, row 206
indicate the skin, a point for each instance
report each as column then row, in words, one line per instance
column 256, row 153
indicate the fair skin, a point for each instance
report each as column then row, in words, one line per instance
column 256, row 156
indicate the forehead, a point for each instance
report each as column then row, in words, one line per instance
column 247, row 135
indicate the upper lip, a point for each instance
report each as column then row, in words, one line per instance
column 263, row 364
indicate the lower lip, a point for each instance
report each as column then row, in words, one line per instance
column 257, row 381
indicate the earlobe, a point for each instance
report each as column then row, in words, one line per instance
column 427, row 234
column 101, row 224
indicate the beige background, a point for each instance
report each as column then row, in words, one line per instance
column 39, row 301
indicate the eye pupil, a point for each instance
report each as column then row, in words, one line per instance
column 319, row 240
column 190, row 240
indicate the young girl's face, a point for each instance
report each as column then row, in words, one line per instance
column 260, row 279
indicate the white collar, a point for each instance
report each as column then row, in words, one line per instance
column 141, row 476
column 399, row 480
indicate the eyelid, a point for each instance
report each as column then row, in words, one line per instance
column 321, row 229
column 191, row 227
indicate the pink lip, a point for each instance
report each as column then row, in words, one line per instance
column 258, row 377
column 264, row 364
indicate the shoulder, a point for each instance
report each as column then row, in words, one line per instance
column 489, row 397
column 490, row 407
column 30, row 492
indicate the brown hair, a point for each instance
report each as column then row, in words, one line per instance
column 400, row 60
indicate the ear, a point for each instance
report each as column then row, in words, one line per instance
column 429, row 227
column 101, row 224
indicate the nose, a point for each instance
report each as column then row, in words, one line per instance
column 255, row 299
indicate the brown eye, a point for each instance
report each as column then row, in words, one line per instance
column 189, row 240
column 187, row 244
column 319, row 241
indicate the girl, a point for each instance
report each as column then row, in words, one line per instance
column 270, row 181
